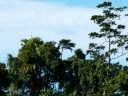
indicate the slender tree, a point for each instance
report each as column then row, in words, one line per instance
column 110, row 30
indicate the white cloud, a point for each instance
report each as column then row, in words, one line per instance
column 23, row 19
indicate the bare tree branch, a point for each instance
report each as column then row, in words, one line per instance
column 103, row 43
column 119, row 56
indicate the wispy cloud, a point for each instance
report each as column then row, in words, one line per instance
column 50, row 21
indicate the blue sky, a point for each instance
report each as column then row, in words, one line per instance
column 86, row 3
column 48, row 19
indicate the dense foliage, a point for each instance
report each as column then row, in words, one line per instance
column 40, row 70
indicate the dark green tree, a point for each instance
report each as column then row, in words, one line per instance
column 65, row 44
column 5, row 79
column 38, row 67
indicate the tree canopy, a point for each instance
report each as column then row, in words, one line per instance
column 40, row 70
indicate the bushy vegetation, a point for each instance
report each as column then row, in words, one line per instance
column 40, row 70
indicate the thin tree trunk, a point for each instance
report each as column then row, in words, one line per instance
column 109, row 58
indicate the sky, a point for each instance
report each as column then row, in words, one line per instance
column 49, row 20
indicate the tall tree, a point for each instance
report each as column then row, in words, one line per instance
column 110, row 30
column 114, row 37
